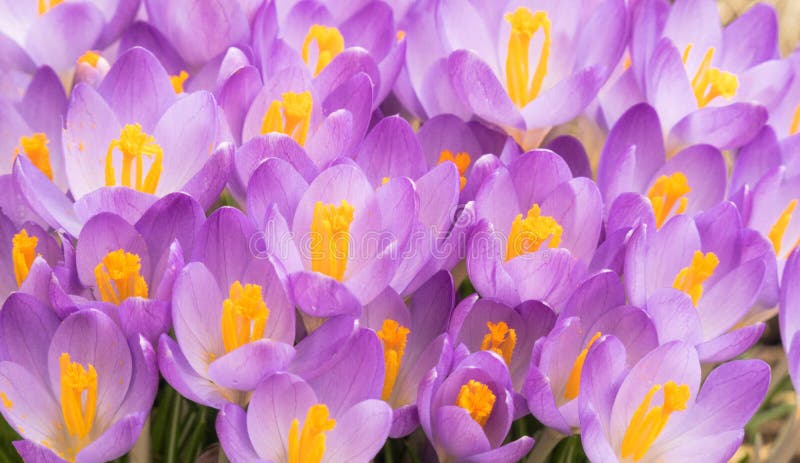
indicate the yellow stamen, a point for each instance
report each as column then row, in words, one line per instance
column 461, row 160
column 47, row 5
column 524, row 24
column 666, row 192
column 91, row 58
column 23, row 252
column 308, row 445
column 118, row 277
column 500, row 339
column 794, row 127
column 178, row 80
column 476, row 398
column 78, row 396
column 35, row 149
column 135, row 144
column 291, row 115
column 690, row 279
column 329, row 44
column 574, row 380
column 528, row 234
column 7, row 403
column 778, row 229
column 330, row 238
column 647, row 422
column 709, row 82
column 401, row 34
column 244, row 316
column 393, row 336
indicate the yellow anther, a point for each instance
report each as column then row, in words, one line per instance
column 244, row 316
column 647, row 422
column 393, row 336
column 135, row 144
column 709, row 82
column 118, row 277
column 91, row 58
column 35, row 149
column 528, row 234
column 500, row 339
column 477, row 399
column 78, row 396
column 667, row 192
column 778, row 229
column 330, row 238
column 461, row 160
column 401, row 34
column 524, row 24
column 47, row 5
column 308, row 445
column 329, row 44
column 178, row 80
column 23, row 252
column 794, row 127
column 574, row 380
column 690, row 279
column 291, row 115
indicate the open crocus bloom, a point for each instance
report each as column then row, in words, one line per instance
column 234, row 320
column 657, row 411
column 75, row 390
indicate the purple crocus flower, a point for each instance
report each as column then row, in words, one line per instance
column 75, row 390
column 27, row 254
column 135, row 114
column 657, row 411
column 233, row 317
column 597, row 308
column 467, row 412
column 539, row 228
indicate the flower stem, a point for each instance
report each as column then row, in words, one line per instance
column 140, row 453
column 546, row 441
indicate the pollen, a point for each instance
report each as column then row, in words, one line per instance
column 308, row 445
column 23, row 253
column 78, row 396
column 329, row 44
column 690, row 279
column 393, row 336
column 647, row 422
column 709, row 82
column 461, row 160
column 529, row 234
column 524, row 24
column 574, row 380
column 477, row 399
column 35, row 148
column 500, row 339
column 178, row 80
column 135, row 145
column 330, row 238
column 91, row 58
column 118, row 277
column 244, row 316
column 7, row 403
column 47, row 5
column 291, row 115
column 668, row 193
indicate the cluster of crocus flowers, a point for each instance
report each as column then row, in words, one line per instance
column 350, row 228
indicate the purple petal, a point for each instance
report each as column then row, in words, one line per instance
column 675, row 317
column 105, row 233
column 231, row 427
column 35, row 453
column 573, row 153
column 207, row 183
column 321, row 296
column 742, row 46
column 122, row 201
column 181, row 376
column 243, row 368
column 724, row 304
column 35, row 412
column 731, row 344
column 360, row 432
column 513, row 451
column 115, row 441
column 457, row 434
column 667, row 85
column 565, row 100
column 391, row 150
column 26, row 326
column 147, row 317
column 725, row 127
column 63, row 34
column 705, row 171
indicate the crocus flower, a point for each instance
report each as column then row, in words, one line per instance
column 129, row 143
column 539, row 228
column 467, row 412
column 28, row 255
column 657, row 410
column 233, row 317
column 75, row 390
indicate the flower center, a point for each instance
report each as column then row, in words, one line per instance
column 710, row 82
column 648, row 422
column 78, row 396
column 291, row 115
column 91, row 58
column 135, row 144
column 500, row 339
column 35, row 149
column 47, row 5
column 690, row 279
column 574, row 380
column 666, row 192
column 778, row 229
column 244, row 316
column 330, row 238
column 23, row 252
column 308, row 445
column 178, row 80
column 461, row 160
column 393, row 336
column 118, row 277
column 476, row 398
column 329, row 44
column 528, row 234
column 524, row 24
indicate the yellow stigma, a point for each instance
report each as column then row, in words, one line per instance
column 778, row 229
column 47, row 5
column 524, row 24
column 647, row 422
column 393, row 336
column 461, row 160
column 476, row 398
column 709, row 82
column 690, row 279
column 794, row 127
column 178, row 80
column 78, row 396
column 574, row 380
column 330, row 238
column 329, row 44
column 528, row 234
column 23, row 252
column 291, row 115
column 244, row 316
column 118, row 277
column 35, row 149
column 135, row 144
column 91, row 58
column 308, row 445
column 666, row 192
column 500, row 339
